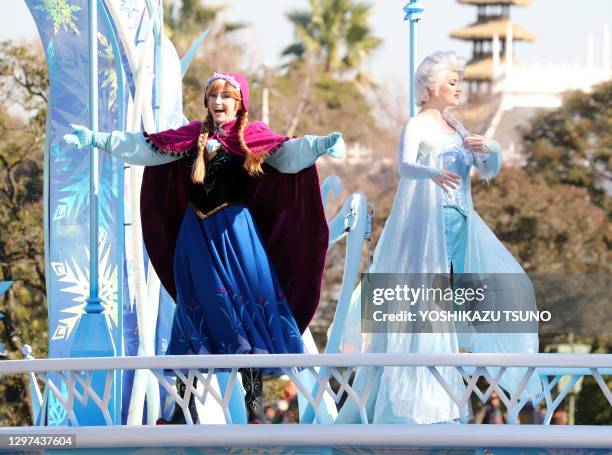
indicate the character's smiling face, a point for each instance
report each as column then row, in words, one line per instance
column 223, row 101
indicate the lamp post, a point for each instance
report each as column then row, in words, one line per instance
column 414, row 12
column 94, row 303
column 92, row 336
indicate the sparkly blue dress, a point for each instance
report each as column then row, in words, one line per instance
column 457, row 160
column 432, row 232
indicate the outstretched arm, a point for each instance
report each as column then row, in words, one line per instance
column 132, row 148
column 298, row 154
column 129, row 147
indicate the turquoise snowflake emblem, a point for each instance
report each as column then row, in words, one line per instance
column 61, row 13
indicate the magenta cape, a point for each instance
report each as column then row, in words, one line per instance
column 286, row 207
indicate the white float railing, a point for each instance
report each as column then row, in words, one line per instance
column 73, row 376
column 285, row 438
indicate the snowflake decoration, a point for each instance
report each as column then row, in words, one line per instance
column 61, row 13
column 56, row 413
column 76, row 199
column 77, row 279
column 109, row 73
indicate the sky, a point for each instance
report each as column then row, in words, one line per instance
column 562, row 28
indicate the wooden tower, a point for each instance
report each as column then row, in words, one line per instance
column 492, row 36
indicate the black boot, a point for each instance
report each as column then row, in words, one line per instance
column 178, row 416
column 252, row 381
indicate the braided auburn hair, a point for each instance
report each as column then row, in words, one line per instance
column 252, row 162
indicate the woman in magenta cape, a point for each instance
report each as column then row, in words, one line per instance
column 234, row 227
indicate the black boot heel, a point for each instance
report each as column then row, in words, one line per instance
column 252, row 381
column 178, row 416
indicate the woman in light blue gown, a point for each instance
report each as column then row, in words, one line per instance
column 434, row 229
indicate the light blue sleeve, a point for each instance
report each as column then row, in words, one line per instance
column 408, row 150
column 489, row 164
column 297, row 154
column 132, row 148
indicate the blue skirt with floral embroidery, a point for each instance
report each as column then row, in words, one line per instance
column 229, row 299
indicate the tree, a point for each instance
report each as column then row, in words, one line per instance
column 23, row 85
column 558, row 235
column 331, row 105
column 573, row 144
column 184, row 22
column 547, row 227
column 333, row 39
column 187, row 19
column 334, row 33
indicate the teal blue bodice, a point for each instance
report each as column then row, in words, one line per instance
column 458, row 160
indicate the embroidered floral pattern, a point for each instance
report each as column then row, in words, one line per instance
column 213, row 166
column 229, row 302
column 239, row 320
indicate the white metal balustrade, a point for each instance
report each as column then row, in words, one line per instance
column 75, row 383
